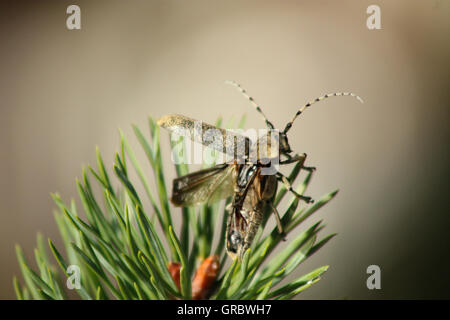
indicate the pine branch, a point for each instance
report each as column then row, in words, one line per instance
column 120, row 254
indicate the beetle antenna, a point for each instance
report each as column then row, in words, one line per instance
column 252, row 101
column 336, row 94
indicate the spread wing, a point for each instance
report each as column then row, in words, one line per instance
column 228, row 142
column 208, row 185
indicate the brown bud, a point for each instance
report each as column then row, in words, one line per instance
column 204, row 277
column 174, row 269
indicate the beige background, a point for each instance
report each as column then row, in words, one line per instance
column 64, row 92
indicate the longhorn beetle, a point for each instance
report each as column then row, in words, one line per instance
column 242, row 177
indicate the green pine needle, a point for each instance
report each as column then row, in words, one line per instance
column 125, row 241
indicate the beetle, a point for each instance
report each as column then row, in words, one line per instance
column 244, row 178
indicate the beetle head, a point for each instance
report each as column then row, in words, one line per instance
column 285, row 148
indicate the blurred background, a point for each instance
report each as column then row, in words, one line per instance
column 63, row 92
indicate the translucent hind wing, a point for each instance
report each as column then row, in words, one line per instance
column 208, row 185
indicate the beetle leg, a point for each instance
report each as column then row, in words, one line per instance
column 288, row 186
column 278, row 219
column 298, row 158
column 310, row 169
